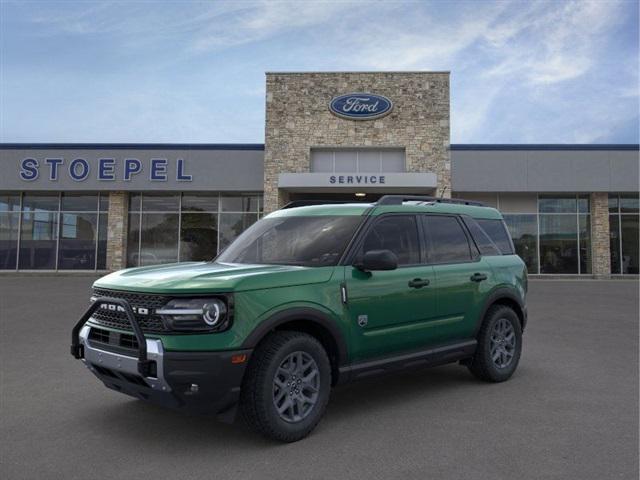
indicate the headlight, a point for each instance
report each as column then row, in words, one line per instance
column 195, row 314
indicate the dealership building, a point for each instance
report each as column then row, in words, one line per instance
column 331, row 136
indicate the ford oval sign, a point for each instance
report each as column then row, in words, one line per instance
column 360, row 106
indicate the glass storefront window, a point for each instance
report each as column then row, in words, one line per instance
column 232, row 225
column 583, row 204
column 558, row 244
column 557, row 204
column 565, row 234
column 524, row 231
column 584, row 236
column 159, row 238
column 9, row 222
column 101, row 262
column 154, row 202
column 629, row 204
column 38, row 240
column 629, row 240
column 78, row 235
column 623, row 234
column 193, row 226
column 51, row 231
column 237, row 203
column 198, row 236
column 41, row 201
column 200, row 202
column 9, row 202
column 133, row 240
column 79, row 202
column 614, row 242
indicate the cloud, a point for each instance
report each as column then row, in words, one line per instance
column 521, row 71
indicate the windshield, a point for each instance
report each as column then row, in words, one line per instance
column 315, row 241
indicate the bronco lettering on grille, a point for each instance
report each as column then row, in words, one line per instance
column 118, row 308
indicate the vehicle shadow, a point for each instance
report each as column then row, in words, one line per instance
column 137, row 421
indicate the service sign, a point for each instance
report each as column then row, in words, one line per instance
column 360, row 106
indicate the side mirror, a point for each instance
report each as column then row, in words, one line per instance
column 378, row 260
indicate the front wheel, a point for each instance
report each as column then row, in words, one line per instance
column 287, row 385
column 499, row 345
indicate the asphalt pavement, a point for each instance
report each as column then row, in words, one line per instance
column 569, row 412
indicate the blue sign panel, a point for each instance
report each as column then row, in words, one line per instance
column 360, row 106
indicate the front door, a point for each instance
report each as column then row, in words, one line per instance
column 389, row 311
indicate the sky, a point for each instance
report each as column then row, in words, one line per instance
column 193, row 72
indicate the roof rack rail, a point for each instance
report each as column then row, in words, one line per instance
column 306, row 203
column 400, row 199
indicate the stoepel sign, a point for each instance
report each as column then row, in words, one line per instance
column 360, row 106
column 107, row 169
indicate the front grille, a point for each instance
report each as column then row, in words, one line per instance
column 111, row 340
column 150, row 323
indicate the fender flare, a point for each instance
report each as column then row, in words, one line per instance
column 305, row 314
column 498, row 294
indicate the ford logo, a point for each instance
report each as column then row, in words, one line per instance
column 360, row 106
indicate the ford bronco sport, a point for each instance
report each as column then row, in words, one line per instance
column 307, row 298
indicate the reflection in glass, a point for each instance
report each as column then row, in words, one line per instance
column 629, row 228
column 557, row 204
column 160, row 202
column 8, row 240
column 198, row 236
column 583, row 204
column 77, row 247
column 104, row 202
column 133, row 240
column 585, row 243
column 79, row 202
column 159, row 238
column 40, row 201
column 101, row 263
column 200, row 202
column 614, row 242
column 629, row 203
column 9, row 202
column 524, row 231
column 232, row 225
column 558, row 244
column 239, row 203
column 38, row 240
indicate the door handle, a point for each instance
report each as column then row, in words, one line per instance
column 418, row 283
column 478, row 277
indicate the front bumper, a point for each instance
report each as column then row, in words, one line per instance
column 201, row 382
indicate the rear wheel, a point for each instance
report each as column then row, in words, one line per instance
column 286, row 388
column 499, row 345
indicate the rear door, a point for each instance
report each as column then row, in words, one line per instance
column 461, row 274
column 389, row 311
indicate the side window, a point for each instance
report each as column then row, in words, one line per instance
column 483, row 242
column 398, row 233
column 497, row 231
column 446, row 240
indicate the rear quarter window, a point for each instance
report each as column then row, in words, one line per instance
column 498, row 233
column 482, row 240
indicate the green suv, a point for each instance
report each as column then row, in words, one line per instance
column 307, row 298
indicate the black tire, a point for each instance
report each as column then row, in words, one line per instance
column 258, row 395
column 483, row 364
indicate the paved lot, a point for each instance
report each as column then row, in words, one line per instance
column 571, row 410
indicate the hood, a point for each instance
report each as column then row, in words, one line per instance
column 208, row 277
